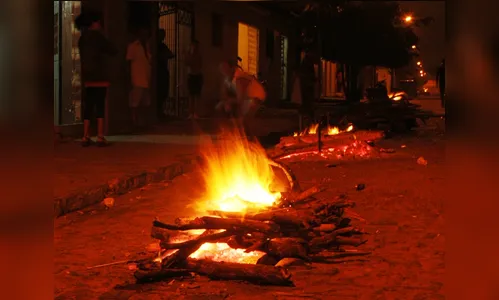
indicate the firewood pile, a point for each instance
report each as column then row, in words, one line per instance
column 298, row 228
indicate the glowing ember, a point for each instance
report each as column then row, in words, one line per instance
column 330, row 130
column 237, row 176
column 222, row 252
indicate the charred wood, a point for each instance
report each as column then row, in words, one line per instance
column 260, row 274
column 204, row 238
column 222, row 223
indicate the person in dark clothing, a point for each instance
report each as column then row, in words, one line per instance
column 95, row 50
column 194, row 63
column 441, row 82
column 164, row 55
column 308, row 82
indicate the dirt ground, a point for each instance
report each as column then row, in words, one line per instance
column 402, row 203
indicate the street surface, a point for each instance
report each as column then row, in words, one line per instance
column 402, row 203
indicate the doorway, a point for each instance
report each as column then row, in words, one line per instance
column 57, row 63
column 248, row 47
column 178, row 24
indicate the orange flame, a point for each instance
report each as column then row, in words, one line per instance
column 222, row 252
column 330, row 130
column 237, row 176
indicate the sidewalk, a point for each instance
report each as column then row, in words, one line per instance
column 85, row 176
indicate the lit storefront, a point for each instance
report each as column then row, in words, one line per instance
column 67, row 83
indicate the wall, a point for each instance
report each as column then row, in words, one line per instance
column 233, row 13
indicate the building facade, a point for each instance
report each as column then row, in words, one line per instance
column 264, row 41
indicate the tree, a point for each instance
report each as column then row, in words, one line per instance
column 358, row 35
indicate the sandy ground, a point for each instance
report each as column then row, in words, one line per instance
column 402, row 203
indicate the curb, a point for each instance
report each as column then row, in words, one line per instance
column 87, row 197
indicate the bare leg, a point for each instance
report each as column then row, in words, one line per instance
column 86, row 128
column 100, row 127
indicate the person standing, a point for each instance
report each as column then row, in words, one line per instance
column 95, row 50
column 194, row 63
column 164, row 55
column 441, row 82
column 139, row 73
column 242, row 95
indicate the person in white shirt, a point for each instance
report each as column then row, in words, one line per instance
column 138, row 57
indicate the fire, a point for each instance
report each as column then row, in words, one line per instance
column 330, row 130
column 223, row 252
column 237, row 176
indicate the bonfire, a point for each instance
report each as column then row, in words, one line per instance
column 249, row 225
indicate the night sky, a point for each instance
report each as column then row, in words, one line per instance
column 432, row 37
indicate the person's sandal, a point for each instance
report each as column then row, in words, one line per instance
column 102, row 142
column 86, row 141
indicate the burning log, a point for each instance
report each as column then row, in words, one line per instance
column 241, row 241
column 281, row 217
column 294, row 142
column 183, row 253
column 222, row 223
column 260, row 274
column 204, row 238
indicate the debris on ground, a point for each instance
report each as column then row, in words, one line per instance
column 422, row 161
column 108, row 202
column 360, row 186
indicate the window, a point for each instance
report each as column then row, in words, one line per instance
column 217, row 27
column 248, row 47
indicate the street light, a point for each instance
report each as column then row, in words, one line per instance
column 408, row 19
column 413, row 46
column 418, row 63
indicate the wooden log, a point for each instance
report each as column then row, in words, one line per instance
column 268, row 260
column 308, row 193
column 241, row 241
column 260, row 274
column 287, row 247
column 182, row 254
column 222, row 223
column 160, row 234
column 281, row 217
column 325, row 228
column 173, row 236
column 334, row 239
column 349, row 241
column 204, row 238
